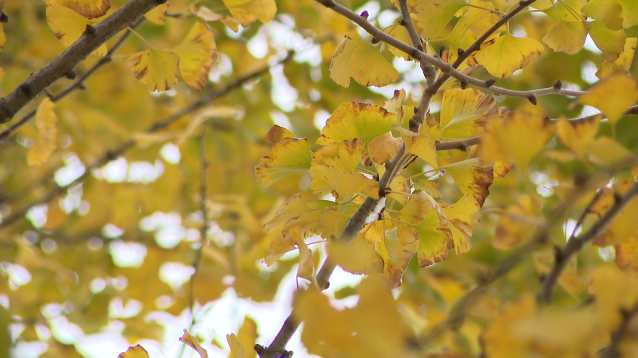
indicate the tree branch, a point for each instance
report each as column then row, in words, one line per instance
column 114, row 153
column 65, row 63
column 576, row 244
column 79, row 83
column 445, row 67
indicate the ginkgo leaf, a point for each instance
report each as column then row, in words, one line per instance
column 614, row 14
column 411, row 215
column 158, row 70
column 384, row 148
column 472, row 177
column 615, row 292
column 607, row 152
column 236, row 348
column 506, row 54
column 332, row 222
column 247, row 11
column 197, row 54
column 87, row 8
column 359, row 257
column 612, row 95
column 463, row 217
column 157, row 15
column 277, row 133
column 475, row 20
column 344, row 155
column 356, row 120
column 580, row 138
column 134, row 352
column 192, row 342
column 610, row 42
column 247, row 335
column 517, row 137
column 68, row 26
column 369, row 67
column 624, row 225
column 498, row 340
column 343, row 184
column 577, row 135
column 435, row 239
column 429, row 186
column 396, row 256
column 463, row 113
column 622, row 63
column 432, row 16
column 207, row 14
column 395, row 104
column 518, row 222
column 287, row 156
column 3, row 38
column 340, row 65
column 420, row 145
column 46, row 140
column 400, row 33
column 567, row 36
column 627, row 255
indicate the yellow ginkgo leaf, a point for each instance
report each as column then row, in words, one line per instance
column 614, row 14
column 342, row 184
column 277, row 133
column 610, row 42
column 157, row 15
column 400, row 33
column 627, row 255
column 435, row 239
column 68, row 26
column 369, row 67
column 411, row 215
column 463, row 217
column 615, row 292
column 432, row 16
column 473, row 23
column 359, row 257
column 158, row 70
column 340, row 65
column 624, row 225
column 356, row 120
column 197, row 54
column 384, row 148
column 506, row 54
column 463, row 113
column 577, row 135
column 207, row 14
column 134, row 352
column 46, row 140
column 622, row 63
column 87, row 8
column 498, row 340
column 247, row 11
column 236, row 348
column 395, row 104
column 567, row 36
column 344, row 156
column 396, row 256
column 607, row 152
column 518, row 222
column 192, row 342
column 612, row 95
column 420, row 145
column 517, row 137
column 287, row 156
column 472, row 177
column 247, row 335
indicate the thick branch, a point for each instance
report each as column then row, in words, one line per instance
column 113, row 154
column 65, row 63
column 576, row 244
column 77, row 84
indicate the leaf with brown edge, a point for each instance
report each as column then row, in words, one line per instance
column 420, row 145
column 410, row 216
column 356, row 120
column 463, row 113
column 344, row 155
column 197, row 54
column 518, row 222
column 435, row 239
column 396, row 256
column 157, row 15
column 46, row 140
column 627, row 255
column 89, row 9
column 612, row 95
column 506, row 54
column 472, row 177
column 463, row 217
column 158, row 70
column 277, row 133
column 69, row 26
column 395, row 104
column 384, row 148
column 516, row 137
column 191, row 341
column 287, row 156
column 134, row 352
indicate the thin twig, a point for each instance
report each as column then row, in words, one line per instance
column 576, row 244
column 77, row 84
column 64, row 65
column 114, row 153
column 203, row 195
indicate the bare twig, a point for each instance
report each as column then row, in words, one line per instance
column 114, row 153
column 65, row 63
column 576, row 244
column 630, row 110
column 203, row 194
column 79, row 83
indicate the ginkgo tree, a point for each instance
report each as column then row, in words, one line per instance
column 474, row 161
